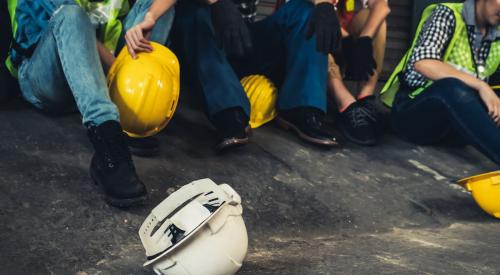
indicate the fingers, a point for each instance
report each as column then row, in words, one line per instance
column 310, row 29
column 246, row 38
column 130, row 48
column 140, row 41
column 136, row 42
column 236, row 44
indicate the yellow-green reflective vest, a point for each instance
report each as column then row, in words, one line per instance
column 458, row 54
column 104, row 14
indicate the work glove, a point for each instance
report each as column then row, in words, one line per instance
column 360, row 64
column 230, row 30
column 324, row 22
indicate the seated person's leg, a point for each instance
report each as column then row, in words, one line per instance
column 65, row 69
column 302, row 97
column 379, row 41
column 208, row 69
column 447, row 106
column 354, row 119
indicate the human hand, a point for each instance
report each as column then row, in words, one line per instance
column 231, row 31
column 360, row 64
column 137, row 37
column 324, row 22
column 492, row 102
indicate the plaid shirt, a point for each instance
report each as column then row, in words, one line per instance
column 433, row 41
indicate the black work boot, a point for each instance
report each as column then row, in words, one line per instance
column 356, row 123
column 112, row 167
column 232, row 128
column 307, row 124
column 378, row 118
column 143, row 147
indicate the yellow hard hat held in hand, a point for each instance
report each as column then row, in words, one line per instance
column 145, row 89
column 262, row 95
column 485, row 189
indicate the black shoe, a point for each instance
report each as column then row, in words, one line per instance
column 232, row 128
column 356, row 125
column 307, row 123
column 112, row 167
column 378, row 119
column 143, row 147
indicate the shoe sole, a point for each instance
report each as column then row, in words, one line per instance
column 116, row 202
column 230, row 144
column 144, row 153
column 355, row 140
column 289, row 126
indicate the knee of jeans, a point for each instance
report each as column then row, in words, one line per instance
column 457, row 90
column 74, row 14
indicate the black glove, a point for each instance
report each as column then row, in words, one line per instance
column 324, row 22
column 231, row 31
column 360, row 64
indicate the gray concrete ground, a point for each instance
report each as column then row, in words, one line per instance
column 388, row 209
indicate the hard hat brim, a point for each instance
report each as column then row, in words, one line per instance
column 479, row 177
column 185, row 238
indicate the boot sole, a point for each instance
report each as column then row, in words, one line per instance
column 230, row 143
column 290, row 127
column 118, row 202
column 357, row 141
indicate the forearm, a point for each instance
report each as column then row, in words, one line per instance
column 315, row 2
column 379, row 10
column 159, row 7
column 435, row 70
column 107, row 58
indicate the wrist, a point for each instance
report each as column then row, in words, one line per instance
column 482, row 86
column 151, row 17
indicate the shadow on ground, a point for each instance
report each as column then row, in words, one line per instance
column 385, row 209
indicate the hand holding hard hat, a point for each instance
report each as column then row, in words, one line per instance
column 145, row 89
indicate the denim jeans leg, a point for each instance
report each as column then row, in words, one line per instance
column 305, row 69
column 204, row 61
column 65, row 68
column 448, row 105
column 162, row 27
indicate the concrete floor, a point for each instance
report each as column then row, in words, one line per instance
column 388, row 209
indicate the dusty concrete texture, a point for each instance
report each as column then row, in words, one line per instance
column 352, row 210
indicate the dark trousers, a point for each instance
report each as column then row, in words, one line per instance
column 280, row 52
column 447, row 111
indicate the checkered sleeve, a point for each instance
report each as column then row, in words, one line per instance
column 431, row 43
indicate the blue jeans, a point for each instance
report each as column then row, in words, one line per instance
column 65, row 68
column 280, row 51
column 447, row 111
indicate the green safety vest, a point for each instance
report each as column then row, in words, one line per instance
column 106, row 14
column 458, row 54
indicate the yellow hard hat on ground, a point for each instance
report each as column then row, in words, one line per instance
column 262, row 95
column 145, row 89
column 485, row 189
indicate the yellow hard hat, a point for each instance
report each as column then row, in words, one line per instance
column 262, row 95
column 485, row 189
column 145, row 90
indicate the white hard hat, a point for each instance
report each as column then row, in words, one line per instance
column 198, row 229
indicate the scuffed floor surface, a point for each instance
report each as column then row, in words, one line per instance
column 351, row 210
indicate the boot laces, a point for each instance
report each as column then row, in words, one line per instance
column 116, row 152
column 359, row 116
